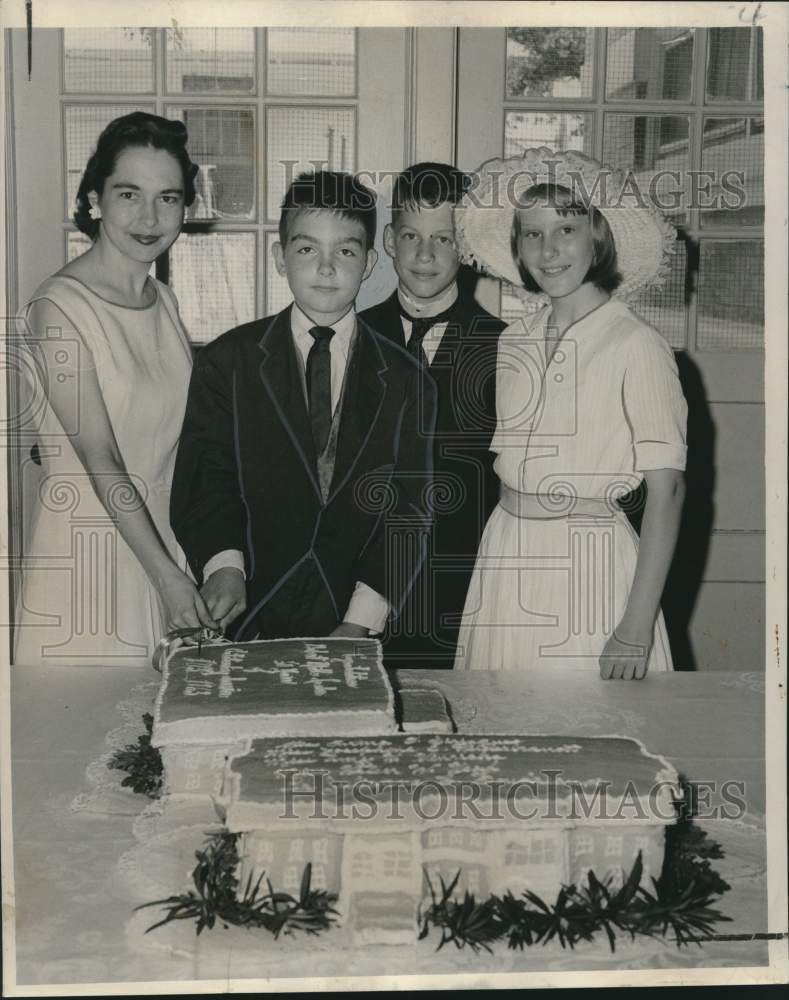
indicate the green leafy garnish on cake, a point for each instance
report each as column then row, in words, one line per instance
column 142, row 763
column 216, row 897
column 579, row 913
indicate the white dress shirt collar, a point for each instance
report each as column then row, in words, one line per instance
column 301, row 324
column 427, row 309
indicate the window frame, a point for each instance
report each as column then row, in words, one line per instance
column 258, row 100
column 697, row 109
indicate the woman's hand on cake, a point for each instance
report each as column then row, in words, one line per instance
column 626, row 654
column 348, row 630
column 225, row 594
column 183, row 605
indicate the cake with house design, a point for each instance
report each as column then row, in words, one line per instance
column 296, row 741
column 380, row 818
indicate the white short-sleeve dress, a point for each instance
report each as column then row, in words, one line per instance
column 606, row 408
column 82, row 595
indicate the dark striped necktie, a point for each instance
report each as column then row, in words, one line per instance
column 319, row 385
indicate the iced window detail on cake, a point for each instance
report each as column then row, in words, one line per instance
column 363, row 865
column 396, row 864
column 583, row 845
column 516, row 856
column 613, row 846
column 320, row 851
column 265, row 853
column 192, row 782
column 291, row 878
column 296, row 852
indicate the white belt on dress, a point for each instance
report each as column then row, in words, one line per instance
column 553, row 505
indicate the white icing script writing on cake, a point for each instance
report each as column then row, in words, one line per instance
column 320, row 669
column 222, row 694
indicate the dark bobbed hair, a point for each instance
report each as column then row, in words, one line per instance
column 427, row 185
column 139, row 129
column 604, row 269
column 331, row 191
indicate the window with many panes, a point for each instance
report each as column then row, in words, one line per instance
column 260, row 105
column 666, row 103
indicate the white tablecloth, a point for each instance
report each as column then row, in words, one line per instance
column 73, row 909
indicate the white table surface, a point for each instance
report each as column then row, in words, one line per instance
column 72, row 910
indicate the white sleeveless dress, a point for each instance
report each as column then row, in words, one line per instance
column 82, row 595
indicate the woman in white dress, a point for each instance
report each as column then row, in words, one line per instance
column 102, row 575
column 588, row 405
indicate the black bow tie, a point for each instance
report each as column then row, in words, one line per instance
column 419, row 328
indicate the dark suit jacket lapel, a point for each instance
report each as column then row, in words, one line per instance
column 392, row 320
column 280, row 378
column 452, row 340
column 364, row 395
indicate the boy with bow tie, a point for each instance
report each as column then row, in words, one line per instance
column 455, row 340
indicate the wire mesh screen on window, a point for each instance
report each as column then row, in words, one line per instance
column 222, row 142
column 656, row 149
column 654, row 64
column 278, row 293
column 733, row 155
column 108, row 60
column 82, row 125
column 211, row 60
column 735, row 65
column 213, row 277
column 558, row 130
column 319, row 62
column 731, row 295
column 303, row 139
column 550, row 62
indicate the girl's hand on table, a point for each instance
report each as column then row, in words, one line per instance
column 625, row 659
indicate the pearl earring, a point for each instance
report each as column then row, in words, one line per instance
column 94, row 212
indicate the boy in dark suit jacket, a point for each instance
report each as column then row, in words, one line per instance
column 305, row 452
column 456, row 340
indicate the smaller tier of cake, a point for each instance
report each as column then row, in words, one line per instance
column 216, row 698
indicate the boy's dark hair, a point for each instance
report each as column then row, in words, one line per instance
column 333, row 191
column 604, row 269
column 136, row 129
column 427, row 185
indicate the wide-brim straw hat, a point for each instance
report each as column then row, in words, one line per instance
column 644, row 239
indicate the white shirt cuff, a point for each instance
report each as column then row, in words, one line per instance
column 367, row 608
column 227, row 558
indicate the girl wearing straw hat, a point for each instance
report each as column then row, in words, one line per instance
column 588, row 405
